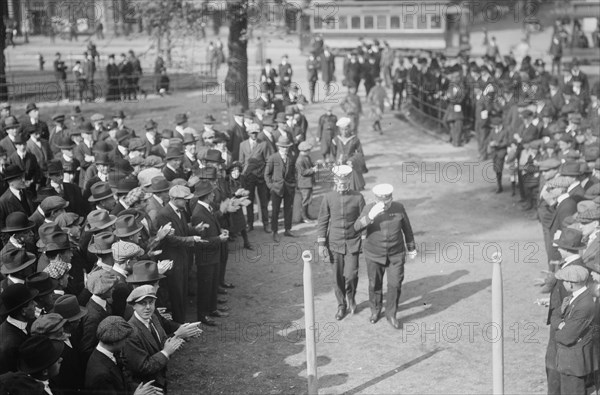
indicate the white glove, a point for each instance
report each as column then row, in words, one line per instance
column 164, row 266
column 376, row 210
column 412, row 254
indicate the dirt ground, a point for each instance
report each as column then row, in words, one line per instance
column 446, row 342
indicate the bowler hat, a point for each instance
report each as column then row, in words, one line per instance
column 99, row 220
column 38, row 353
column 86, row 128
column 189, row 139
column 173, row 153
column 119, row 115
column 101, row 243
column 11, row 172
column 54, row 167
column 159, row 184
column 100, row 191
column 17, row 222
column 68, row 307
column 203, row 188
column 16, row 296
column 283, row 141
column 126, row 184
column 181, row 118
column 15, row 260
column 570, row 239
column 42, row 282
column 102, row 147
column 144, row 272
column 213, row 155
column 65, row 142
column 126, row 226
column 11, row 123
column 30, row 107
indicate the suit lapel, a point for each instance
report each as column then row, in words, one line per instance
column 176, row 220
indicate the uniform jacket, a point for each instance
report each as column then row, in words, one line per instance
column 390, row 233
column 278, row 174
column 337, row 215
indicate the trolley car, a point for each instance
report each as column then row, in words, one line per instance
column 431, row 25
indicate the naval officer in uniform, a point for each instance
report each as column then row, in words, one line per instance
column 337, row 237
column 388, row 240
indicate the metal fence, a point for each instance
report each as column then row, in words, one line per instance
column 46, row 88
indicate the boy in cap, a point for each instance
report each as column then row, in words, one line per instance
column 306, row 178
column 337, row 238
column 389, row 239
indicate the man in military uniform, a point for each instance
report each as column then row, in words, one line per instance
column 337, row 237
column 389, row 238
column 326, row 131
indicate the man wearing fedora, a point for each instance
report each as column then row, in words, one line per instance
column 280, row 176
column 33, row 119
column 237, row 135
column 122, row 189
column 40, row 358
column 568, row 243
column 97, row 172
column 172, row 169
column 103, row 197
column 68, row 191
column 337, row 237
column 150, row 138
column 176, row 247
column 208, row 255
column 18, row 306
column 17, row 265
column 159, row 188
column 46, row 287
column 189, row 155
column 40, row 148
column 16, row 197
column 12, row 128
column 83, row 152
column 181, row 122
column 67, row 158
column 18, row 233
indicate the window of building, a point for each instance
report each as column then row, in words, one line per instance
column 436, row 22
column 409, row 21
column 381, row 22
column 343, row 22
column 368, row 22
column 318, row 22
column 421, row 21
column 395, row 22
column 355, row 22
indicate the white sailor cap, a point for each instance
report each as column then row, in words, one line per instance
column 341, row 172
column 383, row 190
column 343, row 122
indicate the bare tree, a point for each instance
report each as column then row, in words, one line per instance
column 236, row 82
column 3, row 87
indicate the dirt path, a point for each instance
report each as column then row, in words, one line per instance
column 446, row 343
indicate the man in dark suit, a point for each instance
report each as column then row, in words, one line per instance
column 172, row 169
column 68, row 191
column 161, row 148
column 208, row 255
column 268, row 134
column 253, row 155
column 16, row 197
column 575, row 334
column 268, row 76
column 150, row 138
column 327, row 68
column 40, row 148
column 389, row 238
column 12, row 128
column 27, row 162
column 33, row 119
column 18, row 303
column 280, row 176
column 337, row 237
column 176, row 246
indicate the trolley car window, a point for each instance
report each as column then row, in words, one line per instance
column 343, row 22
column 409, row 21
column 421, row 21
column 330, row 23
column 436, row 22
column 318, row 22
column 395, row 22
column 368, row 22
column 381, row 22
column 355, row 22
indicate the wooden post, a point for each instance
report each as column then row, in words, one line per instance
column 498, row 321
column 309, row 322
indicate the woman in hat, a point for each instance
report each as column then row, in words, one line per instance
column 237, row 220
column 347, row 150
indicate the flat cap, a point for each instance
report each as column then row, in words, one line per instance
column 153, row 161
column 590, row 215
column 58, row 268
column 100, row 282
column 52, row 203
column 97, row 117
column 141, row 293
column 47, row 323
column 180, row 191
column 304, row 146
column 113, row 329
column 124, row 250
column 560, row 182
column 573, row 274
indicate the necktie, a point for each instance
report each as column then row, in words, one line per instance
column 565, row 305
column 154, row 333
column 25, row 203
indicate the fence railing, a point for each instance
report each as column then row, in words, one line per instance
column 46, row 88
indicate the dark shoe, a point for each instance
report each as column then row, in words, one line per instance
column 222, row 300
column 352, row 305
column 222, row 291
column 266, row 228
column 219, row 313
column 227, row 285
column 275, row 237
column 341, row 313
column 250, row 228
column 374, row 318
column 288, row 234
column 394, row 322
column 526, row 207
column 247, row 246
column 499, row 190
column 207, row 321
column 223, row 308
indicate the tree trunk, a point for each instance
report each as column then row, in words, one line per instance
column 3, row 87
column 236, row 82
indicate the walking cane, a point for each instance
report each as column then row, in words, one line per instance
column 309, row 322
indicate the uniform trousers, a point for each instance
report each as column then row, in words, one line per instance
column 394, row 266
column 345, row 276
